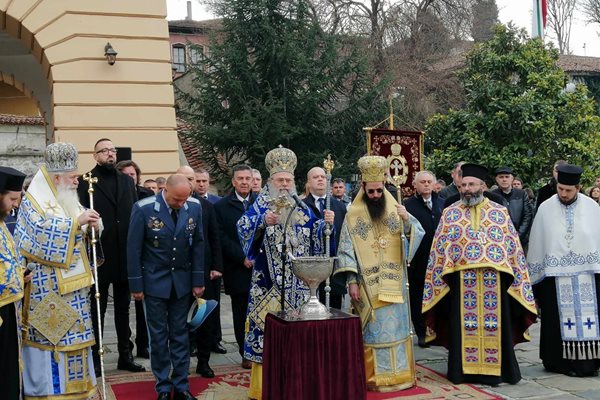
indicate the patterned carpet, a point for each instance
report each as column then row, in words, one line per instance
column 231, row 383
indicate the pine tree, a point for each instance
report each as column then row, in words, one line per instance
column 485, row 16
column 274, row 77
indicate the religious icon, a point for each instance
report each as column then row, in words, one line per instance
column 398, row 167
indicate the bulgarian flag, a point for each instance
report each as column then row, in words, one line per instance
column 539, row 18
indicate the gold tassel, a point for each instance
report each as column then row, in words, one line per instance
column 564, row 350
column 372, row 315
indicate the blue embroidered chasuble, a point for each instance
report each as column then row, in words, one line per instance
column 263, row 244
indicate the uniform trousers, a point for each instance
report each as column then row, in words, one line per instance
column 169, row 340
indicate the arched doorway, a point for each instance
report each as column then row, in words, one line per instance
column 56, row 51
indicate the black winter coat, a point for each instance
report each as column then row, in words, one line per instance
column 114, row 196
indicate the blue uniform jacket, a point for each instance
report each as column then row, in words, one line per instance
column 161, row 256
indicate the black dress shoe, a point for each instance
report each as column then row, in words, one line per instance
column 126, row 363
column 205, row 370
column 164, row 396
column 143, row 353
column 183, row 396
column 218, row 348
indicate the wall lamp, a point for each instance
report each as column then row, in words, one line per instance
column 110, row 54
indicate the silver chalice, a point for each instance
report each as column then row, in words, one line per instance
column 313, row 271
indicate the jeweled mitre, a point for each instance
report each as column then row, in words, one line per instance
column 281, row 159
column 61, row 157
column 372, row 168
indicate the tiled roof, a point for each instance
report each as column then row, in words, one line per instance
column 569, row 63
column 574, row 64
column 190, row 25
column 9, row 119
column 190, row 148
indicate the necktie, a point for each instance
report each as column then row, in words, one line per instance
column 245, row 203
column 321, row 205
column 174, row 216
column 428, row 202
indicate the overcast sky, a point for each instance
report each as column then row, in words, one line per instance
column 584, row 37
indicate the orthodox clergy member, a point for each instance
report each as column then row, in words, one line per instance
column 57, row 356
column 477, row 296
column 373, row 255
column 565, row 267
column 261, row 232
column 11, row 287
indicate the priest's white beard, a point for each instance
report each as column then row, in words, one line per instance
column 67, row 198
column 275, row 193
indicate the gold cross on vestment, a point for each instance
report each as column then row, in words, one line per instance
column 51, row 206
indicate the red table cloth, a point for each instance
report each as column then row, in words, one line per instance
column 311, row 360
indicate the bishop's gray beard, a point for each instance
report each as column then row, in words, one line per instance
column 69, row 201
column 283, row 195
column 472, row 200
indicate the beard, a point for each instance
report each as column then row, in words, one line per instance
column 568, row 202
column 473, row 199
column 283, row 195
column 67, row 198
column 375, row 207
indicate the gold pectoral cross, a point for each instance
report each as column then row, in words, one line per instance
column 381, row 243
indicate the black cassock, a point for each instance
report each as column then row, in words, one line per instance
column 10, row 381
column 551, row 349
column 514, row 319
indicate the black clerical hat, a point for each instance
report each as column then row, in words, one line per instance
column 569, row 174
column 503, row 170
column 475, row 170
column 11, row 179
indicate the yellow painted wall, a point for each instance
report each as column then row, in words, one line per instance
column 130, row 102
column 13, row 101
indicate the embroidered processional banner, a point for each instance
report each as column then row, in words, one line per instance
column 403, row 151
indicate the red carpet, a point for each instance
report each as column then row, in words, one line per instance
column 231, row 383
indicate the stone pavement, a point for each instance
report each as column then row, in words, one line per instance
column 536, row 382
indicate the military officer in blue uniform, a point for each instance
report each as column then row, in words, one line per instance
column 165, row 263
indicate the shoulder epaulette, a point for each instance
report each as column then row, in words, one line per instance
column 146, row 201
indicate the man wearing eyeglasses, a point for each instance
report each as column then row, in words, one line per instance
column 373, row 254
column 114, row 196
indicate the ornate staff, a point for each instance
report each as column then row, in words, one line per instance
column 88, row 178
column 398, row 184
column 328, row 166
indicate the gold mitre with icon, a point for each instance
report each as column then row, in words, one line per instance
column 372, row 168
column 281, row 159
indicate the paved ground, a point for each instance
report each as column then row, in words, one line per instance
column 536, row 382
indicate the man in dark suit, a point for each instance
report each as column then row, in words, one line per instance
column 202, row 185
column 426, row 206
column 114, row 196
column 165, row 262
column 454, row 187
column 237, row 268
column 317, row 200
column 131, row 169
column 516, row 201
column 207, row 337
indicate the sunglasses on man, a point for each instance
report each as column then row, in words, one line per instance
column 371, row 191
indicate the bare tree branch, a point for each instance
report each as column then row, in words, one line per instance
column 560, row 18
